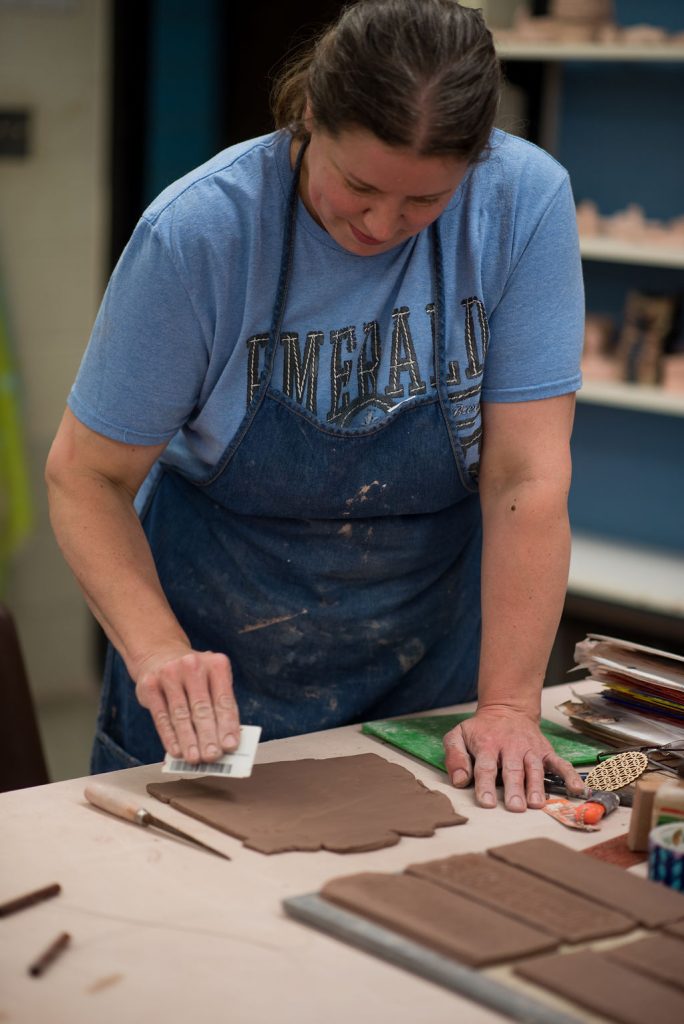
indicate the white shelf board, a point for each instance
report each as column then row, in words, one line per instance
column 611, row 250
column 523, row 50
column 641, row 577
column 642, row 397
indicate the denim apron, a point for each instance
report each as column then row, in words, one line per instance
column 339, row 569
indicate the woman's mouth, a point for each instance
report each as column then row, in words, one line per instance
column 364, row 239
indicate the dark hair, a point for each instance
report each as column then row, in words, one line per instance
column 416, row 73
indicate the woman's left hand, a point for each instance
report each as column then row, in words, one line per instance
column 502, row 739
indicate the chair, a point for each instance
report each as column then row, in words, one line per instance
column 22, row 761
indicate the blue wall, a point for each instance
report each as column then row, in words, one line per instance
column 183, row 100
column 628, row 479
column 621, row 136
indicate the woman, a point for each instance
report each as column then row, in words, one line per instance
column 336, row 366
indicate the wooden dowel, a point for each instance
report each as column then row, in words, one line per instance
column 40, row 965
column 31, row 898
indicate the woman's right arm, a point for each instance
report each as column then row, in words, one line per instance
column 92, row 482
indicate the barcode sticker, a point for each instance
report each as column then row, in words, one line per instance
column 237, row 765
column 203, row 768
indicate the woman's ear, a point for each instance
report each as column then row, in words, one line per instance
column 307, row 116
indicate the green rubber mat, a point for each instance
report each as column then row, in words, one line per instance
column 422, row 737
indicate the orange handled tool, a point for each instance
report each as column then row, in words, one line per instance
column 593, row 809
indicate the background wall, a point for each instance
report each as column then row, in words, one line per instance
column 53, row 235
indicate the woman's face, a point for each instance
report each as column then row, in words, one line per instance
column 370, row 196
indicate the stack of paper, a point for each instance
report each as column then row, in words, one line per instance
column 641, row 701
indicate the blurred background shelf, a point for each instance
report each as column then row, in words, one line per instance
column 631, row 574
column 645, row 397
column 522, row 50
column 611, row 250
column 611, row 114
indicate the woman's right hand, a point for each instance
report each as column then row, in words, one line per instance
column 92, row 481
column 190, row 697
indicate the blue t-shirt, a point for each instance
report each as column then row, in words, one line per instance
column 178, row 344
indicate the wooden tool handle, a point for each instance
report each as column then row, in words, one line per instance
column 108, row 798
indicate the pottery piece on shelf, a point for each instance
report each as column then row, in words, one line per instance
column 626, row 225
column 599, row 334
column 598, row 360
column 588, row 218
column 583, row 10
column 673, row 373
column 643, row 35
column 648, row 322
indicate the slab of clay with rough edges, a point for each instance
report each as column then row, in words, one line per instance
column 344, row 804
column 676, row 929
column 605, row 987
column 659, row 956
column 539, row 903
column 649, row 903
column 444, row 921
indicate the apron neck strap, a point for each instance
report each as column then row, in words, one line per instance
column 286, row 262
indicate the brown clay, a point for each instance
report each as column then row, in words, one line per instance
column 647, row 902
column 444, row 921
column 659, row 956
column 513, row 892
column 605, row 987
column 344, row 804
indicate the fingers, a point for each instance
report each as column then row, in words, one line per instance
column 225, row 705
column 513, row 777
column 459, row 766
column 534, row 780
column 574, row 782
column 510, row 743
column 192, row 705
column 153, row 698
column 486, row 768
column 458, row 763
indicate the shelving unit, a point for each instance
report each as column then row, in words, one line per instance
column 642, row 397
column 611, row 250
column 522, row 50
column 627, row 574
column 642, row 583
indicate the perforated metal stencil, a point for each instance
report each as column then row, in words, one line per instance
column 617, row 771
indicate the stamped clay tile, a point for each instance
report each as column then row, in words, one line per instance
column 441, row 920
column 603, row 986
column 539, row 903
column 676, row 929
column 649, row 903
column 659, row 956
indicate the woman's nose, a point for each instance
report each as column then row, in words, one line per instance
column 381, row 221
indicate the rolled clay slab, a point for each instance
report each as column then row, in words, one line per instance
column 647, row 902
column 538, row 903
column 606, row 987
column 659, row 956
column 444, row 921
column 676, row 929
column 343, row 804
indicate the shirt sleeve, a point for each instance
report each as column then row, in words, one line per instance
column 143, row 369
column 537, row 327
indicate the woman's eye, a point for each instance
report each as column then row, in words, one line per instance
column 360, row 190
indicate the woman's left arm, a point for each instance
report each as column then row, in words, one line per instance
column 524, row 483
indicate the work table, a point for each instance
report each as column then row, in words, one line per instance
column 163, row 930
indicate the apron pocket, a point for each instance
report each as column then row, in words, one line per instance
column 108, row 756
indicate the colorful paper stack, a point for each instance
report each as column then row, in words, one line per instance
column 642, row 697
